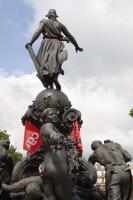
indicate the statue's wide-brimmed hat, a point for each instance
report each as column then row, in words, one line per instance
column 52, row 12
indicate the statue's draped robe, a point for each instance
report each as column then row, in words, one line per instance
column 51, row 55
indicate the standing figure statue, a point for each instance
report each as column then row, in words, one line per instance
column 6, row 166
column 54, row 168
column 113, row 157
column 51, row 55
column 6, row 160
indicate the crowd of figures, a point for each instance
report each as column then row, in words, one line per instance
column 57, row 170
column 28, row 183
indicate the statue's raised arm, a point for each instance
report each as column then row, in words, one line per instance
column 71, row 38
column 37, row 33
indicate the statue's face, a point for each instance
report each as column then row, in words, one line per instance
column 52, row 116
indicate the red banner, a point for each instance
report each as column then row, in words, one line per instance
column 32, row 138
column 76, row 136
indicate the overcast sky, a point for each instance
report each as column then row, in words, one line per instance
column 98, row 81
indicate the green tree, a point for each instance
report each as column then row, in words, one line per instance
column 16, row 156
column 131, row 112
column 4, row 135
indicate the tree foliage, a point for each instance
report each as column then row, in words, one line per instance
column 16, row 156
column 131, row 112
column 4, row 135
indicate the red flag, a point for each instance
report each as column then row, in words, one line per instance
column 32, row 138
column 76, row 136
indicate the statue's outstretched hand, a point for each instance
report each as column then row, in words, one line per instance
column 26, row 46
column 78, row 49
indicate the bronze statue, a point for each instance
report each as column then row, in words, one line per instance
column 6, row 160
column 51, row 54
column 55, row 166
column 6, row 166
column 55, row 170
column 113, row 157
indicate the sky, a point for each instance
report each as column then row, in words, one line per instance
column 98, row 81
